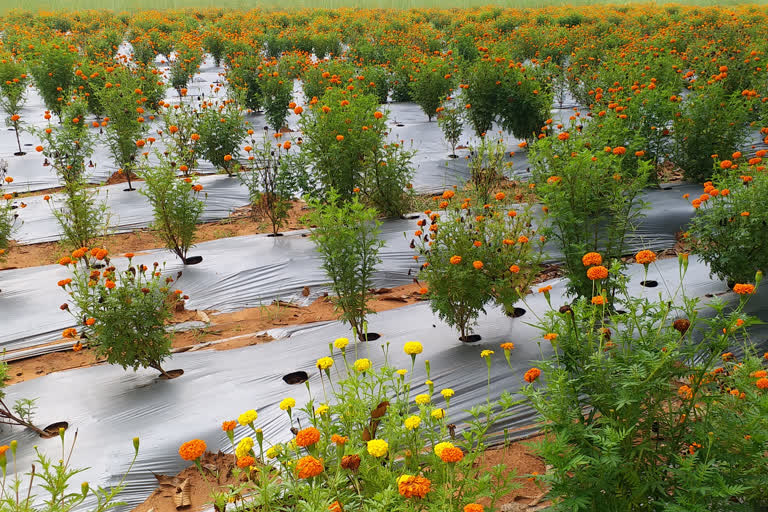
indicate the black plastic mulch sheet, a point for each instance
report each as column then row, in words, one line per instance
column 253, row 270
column 109, row 406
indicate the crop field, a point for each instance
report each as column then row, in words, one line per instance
column 397, row 257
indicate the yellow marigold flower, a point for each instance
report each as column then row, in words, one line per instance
column 412, row 422
column 422, row 399
column 322, row 409
column 287, row 403
column 377, row 447
column 247, row 417
column 401, row 372
column 341, row 343
column 413, row 347
column 244, row 447
column 324, row 363
column 486, row 353
column 428, row 383
column 274, row 451
column 439, row 447
column 362, row 365
column 447, row 393
column 438, row 414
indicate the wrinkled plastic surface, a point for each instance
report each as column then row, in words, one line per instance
column 248, row 271
column 109, row 406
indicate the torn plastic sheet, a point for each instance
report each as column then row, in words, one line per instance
column 249, row 271
column 109, row 406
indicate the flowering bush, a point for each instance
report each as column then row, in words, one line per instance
column 124, row 102
column 368, row 446
column 728, row 229
column 54, row 73
column 647, row 409
column 341, row 132
column 591, row 205
column 13, row 85
column 176, row 205
column 269, row 181
column 431, row 83
column 450, row 118
column 476, row 253
column 346, row 235
column 69, row 144
column 276, row 93
column 700, row 131
column 222, row 129
column 122, row 313
column 182, row 142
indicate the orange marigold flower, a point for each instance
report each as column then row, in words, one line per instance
column 759, row 374
column 335, row 507
column 448, row 194
column 455, row 260
column 307, row 467
column 598, row 272
column 532, row 374
column 550, row 336
column 619, row 150
column 522, row 239
column 591, row 259
column 192, row 450
column 228, row 426
column 598, row 300
column 245, row 462
column 500, row 196
column 545, row 289
column 337, row 439
column 109, row 284
column 514, row 269
column 762, row 383
column 451, row 454
column 64, row 282
column 745, row 214
column 77, row 347
column 477, row 264
column 645, row 257
column 507, row 346
column 307, row 437
column 726, row 164
column 90, row 321
column 413, row 486
column 473, row 507
column 744, row 289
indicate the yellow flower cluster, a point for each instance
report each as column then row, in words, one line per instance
column 341, row 343
column 247, row 417
column 413, row 347
column 438, row 414
column 439, row 447
column 244, row 447
column 362, row 365
column 274, row 451
column 287, row 403
column 422, row 399
column 412, row 422
column 447, row 393
column 378, row 447
column 324, row 363
column 322, row 409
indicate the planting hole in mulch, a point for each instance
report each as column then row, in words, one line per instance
column 193, row 260
column 649, row 283
column 52, row 430
column 471, row 338
column 129, row 189
column 275, row 234
column 517, row 313
column 453, row 156
column 296, row 378
column 371, row 336
column 172, row 374
column 19, row 153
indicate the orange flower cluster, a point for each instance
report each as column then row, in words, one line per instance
column 192, row 450
column 532, row 374
column 645, row 257
column 744, row 289
column 308, row 467
column 598, row 272
column 307, row 437
column 413, row 486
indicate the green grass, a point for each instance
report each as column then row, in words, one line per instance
column 131, row 5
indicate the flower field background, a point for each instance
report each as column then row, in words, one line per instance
column 563, row 205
